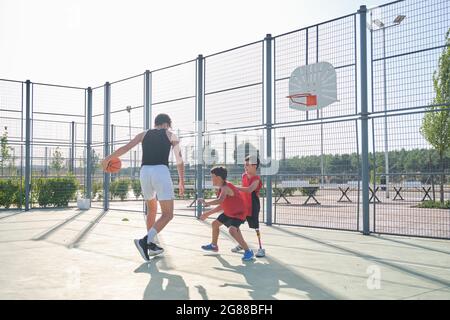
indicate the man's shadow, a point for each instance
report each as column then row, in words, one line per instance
column 162, row 285
column 263, row 280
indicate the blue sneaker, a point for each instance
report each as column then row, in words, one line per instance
column 248, row 255
column 210, row 247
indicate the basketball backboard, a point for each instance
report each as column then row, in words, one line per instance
column 312, row 87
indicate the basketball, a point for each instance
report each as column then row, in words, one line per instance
column 114, row 165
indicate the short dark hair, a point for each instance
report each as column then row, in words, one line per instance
column 163, row 118
column 252, row 159
column 220, row 172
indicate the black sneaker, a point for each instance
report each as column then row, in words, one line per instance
column 142, row 247
column 153, row 249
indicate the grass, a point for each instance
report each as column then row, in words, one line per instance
column 434, row 205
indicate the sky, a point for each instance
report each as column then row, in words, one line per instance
column 86, row 43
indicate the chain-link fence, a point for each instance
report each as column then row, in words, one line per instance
column 376, row 160
column 408, row 127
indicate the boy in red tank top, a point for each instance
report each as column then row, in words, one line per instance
column 251, row 185
column 231, row 202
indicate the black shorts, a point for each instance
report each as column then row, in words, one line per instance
column 228, row 222
column 253, row 220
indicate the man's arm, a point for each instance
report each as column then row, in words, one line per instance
column 122, row 150
column 179, row 159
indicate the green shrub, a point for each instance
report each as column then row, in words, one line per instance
column 307, row 191
column 41, row 188
column 112, row 189
column 65, row 190
column 122, row 189
column 97, row 190
column 429, row 204
column 188, row 194
column 262, row 192
column 55, row 192
column 7, row 191
column 136, row 186
column 191, row 193
column 209, row 194
column 45, row 191
column 119, row 188
column 287, row 192
column 19, row 195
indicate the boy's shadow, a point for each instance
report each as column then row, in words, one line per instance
column 162, row 285
column 263, row 280
column 260, row 287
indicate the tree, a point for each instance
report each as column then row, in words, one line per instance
column 436, row 124
column 95, row 159
column 57, row 161
column 5, row 149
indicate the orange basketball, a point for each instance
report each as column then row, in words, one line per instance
column 114, row 165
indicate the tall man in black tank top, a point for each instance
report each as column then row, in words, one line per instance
column 156, row 182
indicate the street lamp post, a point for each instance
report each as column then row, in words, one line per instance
column 381, row 26
column 386, row 149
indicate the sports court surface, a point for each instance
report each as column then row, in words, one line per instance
column 73, row 254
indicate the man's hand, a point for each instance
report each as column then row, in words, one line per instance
column 203, row 217
column 105, row 163
column 181, row 188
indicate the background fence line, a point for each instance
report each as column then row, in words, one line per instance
column 230, row 103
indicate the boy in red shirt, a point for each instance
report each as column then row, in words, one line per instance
column 251, row 184
column 231, row 202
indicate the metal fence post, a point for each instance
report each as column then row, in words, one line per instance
column 268, row 99
column 112, row 137
column 235, row 150
column 147, row 114
column 199, row 121
column 106, row 149
column 147, row 100
column 28, row 145
column 46, row 162
column 386, row 147
column 72, row 147
column 89, row 145
column 364, row 120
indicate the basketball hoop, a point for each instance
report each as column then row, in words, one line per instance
column 311, row 100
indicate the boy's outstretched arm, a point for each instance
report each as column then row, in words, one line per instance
column 210, row 212
column 250, row 188
column 222, row 196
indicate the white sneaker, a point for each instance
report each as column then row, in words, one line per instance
column 261, row 253
column 236, row 249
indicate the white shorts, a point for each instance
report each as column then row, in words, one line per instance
column 156, row 181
